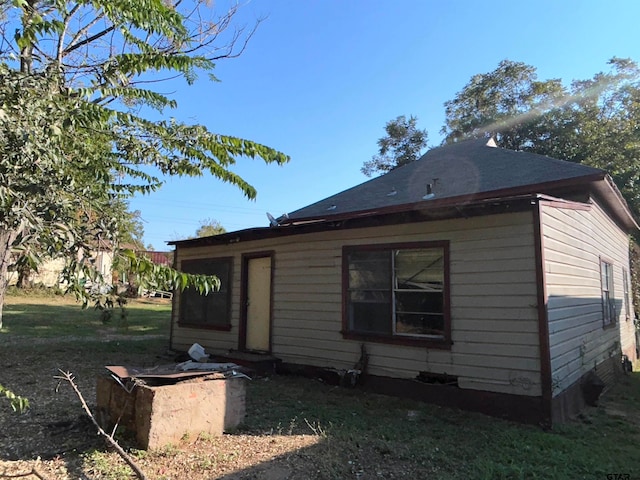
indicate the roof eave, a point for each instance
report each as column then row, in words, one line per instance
column 609, row 192
column 432, row 211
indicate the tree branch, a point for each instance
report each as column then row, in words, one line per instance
column 67, row 19
column 34, row 471
column 68, row 377
column 90, row 39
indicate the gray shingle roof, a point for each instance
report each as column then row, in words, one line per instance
column 473, row 167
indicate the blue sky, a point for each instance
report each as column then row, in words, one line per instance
column 320, row 79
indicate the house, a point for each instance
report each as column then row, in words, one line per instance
column 476, row 277
column 49, row 273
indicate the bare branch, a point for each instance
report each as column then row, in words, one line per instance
column 67, row 19
column 206, row 33
column 68, row 377
column 34, row 471
column 83, row 31
column 89, row 39
column 244, row 44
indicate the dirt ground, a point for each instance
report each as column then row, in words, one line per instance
column 57, row 439
column 54, row 439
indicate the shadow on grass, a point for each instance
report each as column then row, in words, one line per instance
column 375, row 436
column 295, row 428
column 298, row 428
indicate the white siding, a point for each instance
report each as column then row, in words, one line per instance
column 493, row 302
column 574, row 242
column 48, row 274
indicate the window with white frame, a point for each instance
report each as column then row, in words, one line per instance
column 627, row 298
column 608, row 301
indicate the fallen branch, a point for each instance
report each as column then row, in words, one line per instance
column 68, row 377
column 34, row 471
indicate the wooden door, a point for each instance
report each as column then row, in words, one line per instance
column 258, row 304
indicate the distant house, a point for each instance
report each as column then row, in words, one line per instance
column 475, row 277
column 102, row 258
column 50, row 271
column 159, row 258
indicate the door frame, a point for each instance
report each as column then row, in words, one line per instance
column 244, row 291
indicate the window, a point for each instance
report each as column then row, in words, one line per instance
column 608, row 302
column 627, row 299
column 212, row 310
column 397, row 293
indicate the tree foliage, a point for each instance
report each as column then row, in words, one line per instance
column 209, row 227
column 403, row 143
column 130, row 228
column 594, row 121
column 75, row 82
column 505, row 103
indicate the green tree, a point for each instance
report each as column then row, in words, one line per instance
column 75, row 83
column 130, row 228
column 507, row 103
column 403, row 144
column 209, row 227
column 595, row 121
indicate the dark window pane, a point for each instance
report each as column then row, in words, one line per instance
column 214, row 308
column 419, row 324
column 369, row 270
column 608, row 305
column 370, row 312
column 369, row 291
column 193, row 307
column 419, row 302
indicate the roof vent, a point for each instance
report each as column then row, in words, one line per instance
column 332, row 207
column 392, row 192
column 430, row 193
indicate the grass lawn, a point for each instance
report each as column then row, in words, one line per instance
column 40, row 315
column 295, row 428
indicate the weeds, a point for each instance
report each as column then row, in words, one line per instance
column 316, row 428
column 18, row 404
column 102, row 465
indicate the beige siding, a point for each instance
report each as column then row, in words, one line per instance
column 48, row 274
column 50, row 271
column 493, row 298
column 574, row 242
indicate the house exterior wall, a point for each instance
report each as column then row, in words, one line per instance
column 49, row 271
column 48, row 274
column 104, row 264
column 574, row 241
column 494, row 316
